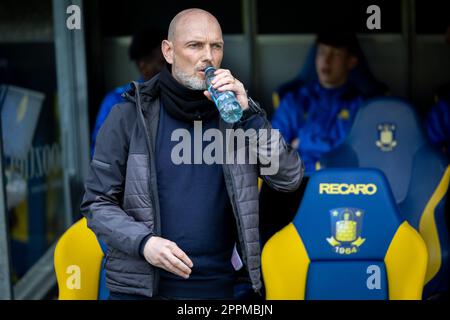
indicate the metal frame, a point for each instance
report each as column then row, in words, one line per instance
column 249, row 17
column 73, row 104
column 39, row 280
column 5, row 261
column 74, row 126
column 409, row 34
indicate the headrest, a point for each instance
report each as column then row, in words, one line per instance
column 385, row 115
column 386, row 134
column 347, row 214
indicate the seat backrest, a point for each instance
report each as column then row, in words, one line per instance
column 388, row 135
column 347, row 241
column 78, row 263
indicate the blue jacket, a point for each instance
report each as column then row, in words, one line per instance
column 111, row 99
column 319, row 118
column 437, row 123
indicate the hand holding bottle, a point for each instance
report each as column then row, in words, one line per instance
column 227, row 92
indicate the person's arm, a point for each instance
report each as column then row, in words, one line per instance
column 104, row 193
column 105, row 185
column 110, row 100
column 285, row 117
column 437, row 124
column 280, row 165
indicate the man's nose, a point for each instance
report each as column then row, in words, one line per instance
column 327, row 58
column 208, row 56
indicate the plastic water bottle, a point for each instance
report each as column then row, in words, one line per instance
column 229, row 108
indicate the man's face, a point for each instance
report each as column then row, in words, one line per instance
column 333, row 65
column 197, row 44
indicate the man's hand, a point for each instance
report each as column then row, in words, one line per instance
column 224, row 81
column 167, row 255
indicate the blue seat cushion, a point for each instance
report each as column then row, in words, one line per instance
column 349, row 280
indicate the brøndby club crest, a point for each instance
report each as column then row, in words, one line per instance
column 346, row 227
column 386, row 137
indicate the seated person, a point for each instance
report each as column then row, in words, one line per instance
column 317, row 117
column 145, row 51
column 437, row 121
column 361, row 77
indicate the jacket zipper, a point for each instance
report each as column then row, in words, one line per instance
column 236, row 213
column 236, row 216
column 152, row 195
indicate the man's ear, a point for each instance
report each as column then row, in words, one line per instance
column 167, row 50
column 352, row 62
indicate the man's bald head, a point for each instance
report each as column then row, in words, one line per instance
column 194, row 42
column 185, row 16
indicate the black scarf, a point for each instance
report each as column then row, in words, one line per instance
column 183, row 103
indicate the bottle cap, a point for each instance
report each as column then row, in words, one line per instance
column 209, row 69
column 209, row 75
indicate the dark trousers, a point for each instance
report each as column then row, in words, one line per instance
column 123, row 296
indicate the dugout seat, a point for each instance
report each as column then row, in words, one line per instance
column 79, row 264
column 347, row 241
column 387, row 135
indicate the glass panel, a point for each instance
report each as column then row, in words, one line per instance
column 30, row 131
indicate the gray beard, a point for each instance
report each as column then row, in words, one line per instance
column 190, row 82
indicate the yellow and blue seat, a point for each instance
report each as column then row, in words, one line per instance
column 387, row 135
column 347, row 241
column 79, row 264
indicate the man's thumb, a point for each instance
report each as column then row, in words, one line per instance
column 207, row 94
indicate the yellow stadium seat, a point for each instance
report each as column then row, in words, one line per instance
column 77, row 261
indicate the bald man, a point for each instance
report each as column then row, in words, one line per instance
column 184, row 230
